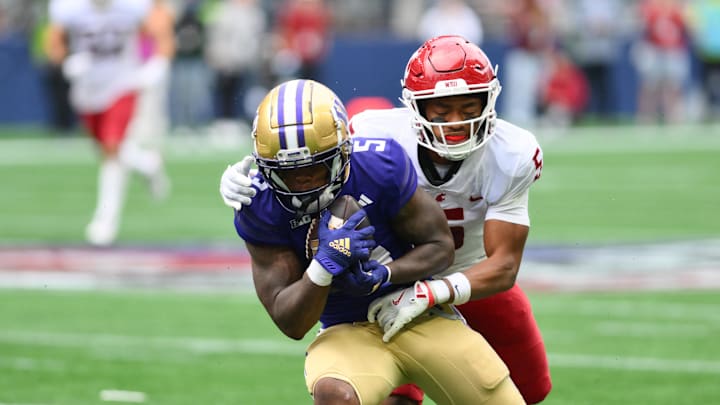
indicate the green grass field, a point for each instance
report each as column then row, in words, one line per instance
column 599, row 186
column 66, row 347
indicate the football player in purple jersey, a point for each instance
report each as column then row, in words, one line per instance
column 306, row 268
column 479, row 168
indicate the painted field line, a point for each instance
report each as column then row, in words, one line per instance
column 18, row 403
column 29, row 363
column 634, row 363
column 267, row 347
column 653, row 329
column 190, row 344
column 122, row 396
column 633, row 309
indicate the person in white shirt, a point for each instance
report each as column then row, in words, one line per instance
column 96, row 42
column 479, row 169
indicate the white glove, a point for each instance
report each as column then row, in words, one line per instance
column 76, row 65
column 397, row 309
column 236, row 185
column 154, row 71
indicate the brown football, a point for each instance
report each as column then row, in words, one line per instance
column 341, row 209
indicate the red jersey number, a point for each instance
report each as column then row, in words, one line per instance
column 538, row 160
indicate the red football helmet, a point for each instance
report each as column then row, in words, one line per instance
column 445, row 66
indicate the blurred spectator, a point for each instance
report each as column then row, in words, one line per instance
column 16, row 17
column 662, row 61
column 595, row 44
column 447, row 17
column 357, row 105
column 704, row 18
column 235, row 35
column 304, row 33
column 564, row 93
column 403, row 17
column 61, row 117
column 190, row 97
column 531, row 37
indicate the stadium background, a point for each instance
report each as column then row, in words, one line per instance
column 623, row 261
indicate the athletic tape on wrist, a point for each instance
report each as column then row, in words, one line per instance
column 318, row 275
column 439, row 290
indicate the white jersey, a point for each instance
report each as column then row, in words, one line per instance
column 109, row 35
column 492, row 183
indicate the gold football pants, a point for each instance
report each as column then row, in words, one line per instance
column 447, row 359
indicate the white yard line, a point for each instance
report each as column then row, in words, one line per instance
column 268, row 347
column 608, row 309
column 123, row 396
column 654, row 364
column 632, row 328
column 18, row 403
column 190, row 344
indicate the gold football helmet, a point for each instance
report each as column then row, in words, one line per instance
column 302, row 124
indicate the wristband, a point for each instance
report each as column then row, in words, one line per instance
column 461, row 288
column 318, row 275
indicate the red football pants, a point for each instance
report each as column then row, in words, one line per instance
column 108, row 127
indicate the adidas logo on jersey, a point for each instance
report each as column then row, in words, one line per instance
column 341, row 245
column 364, row 200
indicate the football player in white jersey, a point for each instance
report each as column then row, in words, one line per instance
column 479, row 169
column 96, row 42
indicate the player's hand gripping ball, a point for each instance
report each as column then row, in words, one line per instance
column 341, row 244
column 341, row 210
column 363, row 277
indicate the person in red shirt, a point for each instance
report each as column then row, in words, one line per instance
column 662, row 60
column 565, row 93
column 303, row 28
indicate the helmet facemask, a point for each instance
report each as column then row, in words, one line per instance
column 447, row 66
column 311, row 201
column 431, row 134
column 302, row 124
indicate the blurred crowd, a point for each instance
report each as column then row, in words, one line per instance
column 558, row 68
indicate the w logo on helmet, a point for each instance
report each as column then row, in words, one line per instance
column 339, row 111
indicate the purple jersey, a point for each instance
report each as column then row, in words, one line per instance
column 382, row 180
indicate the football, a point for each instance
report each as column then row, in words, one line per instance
column 341, row 209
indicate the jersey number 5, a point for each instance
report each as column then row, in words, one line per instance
column 458, row 232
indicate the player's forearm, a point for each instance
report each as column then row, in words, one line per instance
column 160, row 27
column 422, row 261
column 165, row 46
column 298, row 307
column 491, row 276
column 55, row 45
